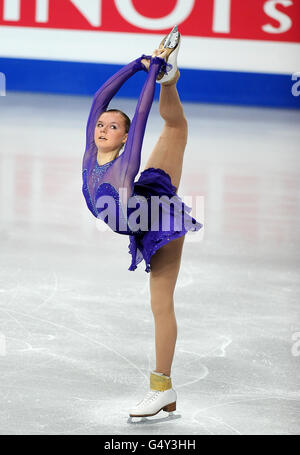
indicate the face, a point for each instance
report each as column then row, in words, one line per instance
column 110, row 133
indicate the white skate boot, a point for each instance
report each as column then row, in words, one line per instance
column 161, row 397
column 171, row 42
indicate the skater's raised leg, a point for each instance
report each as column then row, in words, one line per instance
column 169, row 151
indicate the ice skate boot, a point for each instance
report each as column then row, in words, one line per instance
column 171, row 43
column 160, row 397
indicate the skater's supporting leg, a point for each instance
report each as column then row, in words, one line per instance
column 165, row 265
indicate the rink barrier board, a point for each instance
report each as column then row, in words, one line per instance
column 195, row 85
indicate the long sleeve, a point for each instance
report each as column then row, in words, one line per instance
column 120, row 173
column 125, row 168
column 100, row 103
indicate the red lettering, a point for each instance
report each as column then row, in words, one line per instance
column 276, row 20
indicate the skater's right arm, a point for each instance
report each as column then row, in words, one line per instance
column 106, row 92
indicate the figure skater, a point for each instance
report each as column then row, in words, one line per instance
column 109, row 174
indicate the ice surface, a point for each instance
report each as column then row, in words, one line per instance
column 76, row 328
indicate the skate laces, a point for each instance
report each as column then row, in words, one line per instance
column 149, row 397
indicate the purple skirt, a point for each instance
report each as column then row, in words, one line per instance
column 174, row 215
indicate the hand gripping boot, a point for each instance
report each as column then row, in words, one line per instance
column 161, row 397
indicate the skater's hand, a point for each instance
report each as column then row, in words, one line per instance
column 161, row 53
column 146, row 62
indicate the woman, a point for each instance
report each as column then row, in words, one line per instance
column 109, row 176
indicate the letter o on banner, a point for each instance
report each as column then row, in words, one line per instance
column 181, row 12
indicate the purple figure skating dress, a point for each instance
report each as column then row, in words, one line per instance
column 114, row 181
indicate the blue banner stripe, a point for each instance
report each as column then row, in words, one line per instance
column 208, row 86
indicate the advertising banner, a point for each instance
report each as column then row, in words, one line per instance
column 252, row 42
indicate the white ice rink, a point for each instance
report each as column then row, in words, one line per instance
column 76, row 327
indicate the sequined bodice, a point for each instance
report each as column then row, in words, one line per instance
column 100, row 188
column 98, row 172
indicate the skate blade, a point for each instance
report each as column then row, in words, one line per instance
column 166, row 42
column 168, row 408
